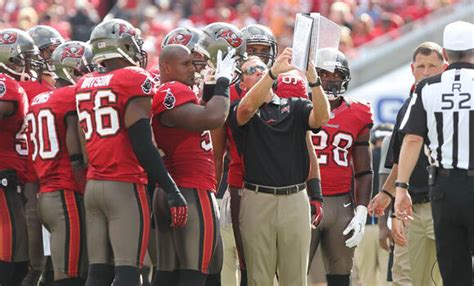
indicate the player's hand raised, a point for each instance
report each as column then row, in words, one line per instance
column 283, row 63
column 311, row 73
column 225, row 66
column 178, row 209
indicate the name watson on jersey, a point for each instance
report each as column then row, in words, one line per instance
column 97, row 81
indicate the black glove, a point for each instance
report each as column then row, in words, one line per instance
column 178, row 208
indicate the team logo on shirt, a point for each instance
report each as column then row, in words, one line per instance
column 285, row 109
column 170, row 100
column 230, row 37
column 8, row 37
column 3, row 88
column 147, row 85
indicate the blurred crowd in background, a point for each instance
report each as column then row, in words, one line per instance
column 362, row 21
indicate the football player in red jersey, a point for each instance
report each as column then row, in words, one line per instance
column 260, row 42
column 180, row 125
column 16, row 60
column 343, row 152
column 113, row 106
column 55, row 145
column 46, row 39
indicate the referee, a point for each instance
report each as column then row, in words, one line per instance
column 442, row 112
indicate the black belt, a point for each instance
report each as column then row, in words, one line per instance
column 448, row 172
column 288, row 190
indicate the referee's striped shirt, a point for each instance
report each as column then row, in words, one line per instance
column 442, row 111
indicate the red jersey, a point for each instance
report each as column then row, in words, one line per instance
column 287, row 86
column 335, row 142
column 47, row 128
column 32, row 89
column 13, row 138
column 235, row 175
column 188, row 154
column 101, row 101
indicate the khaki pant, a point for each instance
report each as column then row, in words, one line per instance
column 230, row 267
column 370, row 259
column 276, row 235
column 422, row 247
column 401, row 266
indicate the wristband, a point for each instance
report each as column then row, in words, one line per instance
column 316, row 83
column 401, row 185
column 208, row 92
column 272, row 76
column 314, row 189
column 77, row 157
column 222, row 87
column 388, row 194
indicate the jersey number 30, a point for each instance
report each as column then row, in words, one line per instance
column 101, row 118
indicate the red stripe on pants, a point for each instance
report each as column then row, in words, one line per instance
column 208, row 225
column 5, row 229
column 142, row 195
column 73, row 254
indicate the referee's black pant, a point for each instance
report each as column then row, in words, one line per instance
column 453, row 217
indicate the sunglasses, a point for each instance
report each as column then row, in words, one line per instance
column 253, row 69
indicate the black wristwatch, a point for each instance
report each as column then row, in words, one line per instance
column 401, row 185
column 315, row 84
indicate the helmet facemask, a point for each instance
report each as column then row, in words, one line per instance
column 334, row 84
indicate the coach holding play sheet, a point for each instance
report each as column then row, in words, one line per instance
column 442, row 112
column 270, row 134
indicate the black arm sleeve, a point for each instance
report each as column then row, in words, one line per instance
column 148, row 156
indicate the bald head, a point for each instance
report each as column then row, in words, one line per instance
column 176, row 64
column 171, row 53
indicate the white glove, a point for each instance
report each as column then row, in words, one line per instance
column 357, row 225
column 225, row 66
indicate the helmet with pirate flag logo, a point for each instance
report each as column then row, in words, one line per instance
column 18, row 54
column 71, row 60
column 117, row 38
column 188, row 37
column 222, row 36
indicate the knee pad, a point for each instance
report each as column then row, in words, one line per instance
column 165, row 278
column 126, row 275
column 100, row 274
column 213, row 280
column 338, row 280
column 6, row 271
column 70, row 282
column 191, row 277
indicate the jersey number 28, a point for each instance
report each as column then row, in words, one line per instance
column 341, row 143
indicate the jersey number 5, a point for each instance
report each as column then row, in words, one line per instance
column 101, row 118
column 341, row 143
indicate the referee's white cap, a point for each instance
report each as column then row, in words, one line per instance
column 458, row 36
